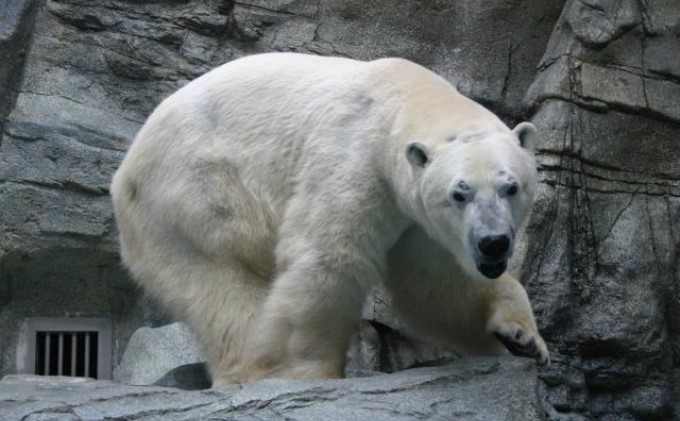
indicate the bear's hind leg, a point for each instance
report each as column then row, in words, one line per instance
column 221, row 308
column 200, row 241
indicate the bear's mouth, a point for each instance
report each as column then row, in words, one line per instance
column 492, row 270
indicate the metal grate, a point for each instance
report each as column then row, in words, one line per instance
column 66, row 354
column 79, row 347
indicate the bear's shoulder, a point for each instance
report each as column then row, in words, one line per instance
column 405, row 73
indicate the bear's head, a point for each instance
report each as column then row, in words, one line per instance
column 473, row 192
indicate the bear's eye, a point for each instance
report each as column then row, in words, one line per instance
column 458, row 197
column 512, row 190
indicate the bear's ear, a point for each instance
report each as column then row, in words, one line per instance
column 526, row 133
column 417, row 154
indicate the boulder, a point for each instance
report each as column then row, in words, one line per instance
column 167, row 356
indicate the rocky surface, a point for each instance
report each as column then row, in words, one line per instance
column 167, row 355
column 601, row 79
column 481, row 388
column 602, row 264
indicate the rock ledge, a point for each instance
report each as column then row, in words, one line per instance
column 472, row 388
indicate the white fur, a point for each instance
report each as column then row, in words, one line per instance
column 264, row 199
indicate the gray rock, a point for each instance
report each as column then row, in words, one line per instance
column 364, row 356
column 189, row 377
column 453, row 38
column 16, row 28
column 378, row 348
column 152, row 353
column 475, row 388
column 602, row 262
column 613, row 55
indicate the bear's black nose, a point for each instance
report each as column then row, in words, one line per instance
column 494, row 247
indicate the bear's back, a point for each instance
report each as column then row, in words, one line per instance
column 269, row 117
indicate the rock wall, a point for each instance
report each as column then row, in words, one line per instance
column 602, row 263
column 600, row 78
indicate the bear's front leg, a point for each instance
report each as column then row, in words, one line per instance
column 332, row 244
column 307, row 323
column 511, row 320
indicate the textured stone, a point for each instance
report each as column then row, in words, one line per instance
column 152, row 353
column 451, row 37
column 476, row 388
column 16, row 27
column 607, row 54
column 603, row 239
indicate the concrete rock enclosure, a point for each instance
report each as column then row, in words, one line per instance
column 600, row 78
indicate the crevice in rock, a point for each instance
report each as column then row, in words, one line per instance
column 618, row 216
column 17, row 22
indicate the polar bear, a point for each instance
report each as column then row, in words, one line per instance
column 263, row 200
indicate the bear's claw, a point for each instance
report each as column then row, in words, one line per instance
column 524, row 345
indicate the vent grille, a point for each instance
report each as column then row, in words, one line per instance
column 66, row 354
column 64, row 346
